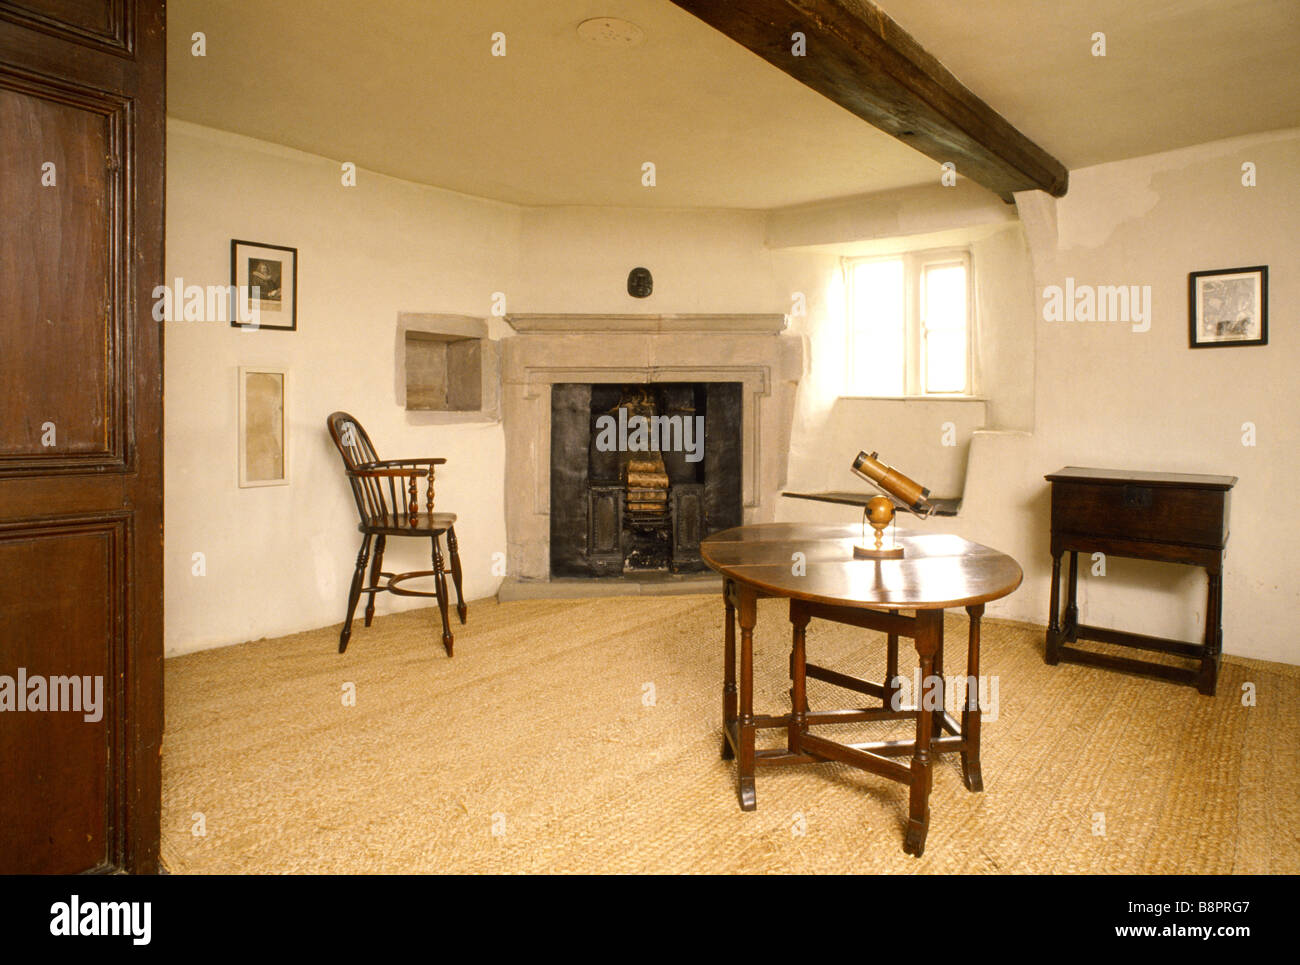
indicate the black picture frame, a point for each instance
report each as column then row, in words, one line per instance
column 253, row 264
column 1227, row 307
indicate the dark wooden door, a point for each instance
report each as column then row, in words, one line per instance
column 81, row 248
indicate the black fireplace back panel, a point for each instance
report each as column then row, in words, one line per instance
column 577, row 465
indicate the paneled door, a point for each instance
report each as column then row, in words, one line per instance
column 81, row 249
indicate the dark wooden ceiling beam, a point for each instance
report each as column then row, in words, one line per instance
column 862, row 60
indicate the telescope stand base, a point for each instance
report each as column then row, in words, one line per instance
column 868, row 553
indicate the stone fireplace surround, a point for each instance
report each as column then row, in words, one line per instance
column 750, row 349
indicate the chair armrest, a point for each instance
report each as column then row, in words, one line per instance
column 380, row 463
column 372, row 473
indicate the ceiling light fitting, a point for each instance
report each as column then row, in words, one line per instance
column 610, row 32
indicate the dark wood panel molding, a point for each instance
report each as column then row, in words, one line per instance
column 57, row 635
column 114, row 34
column 115, row 363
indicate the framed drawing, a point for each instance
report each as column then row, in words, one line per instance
column 1228, row 307
column 263, row 427
column 264, row 279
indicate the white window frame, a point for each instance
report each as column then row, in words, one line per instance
column 914, row 266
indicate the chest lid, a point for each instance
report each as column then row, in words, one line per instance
column 1129, row 477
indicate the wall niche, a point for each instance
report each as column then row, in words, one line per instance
column 448, row 370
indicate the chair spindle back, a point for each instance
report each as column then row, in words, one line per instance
column 387, row 495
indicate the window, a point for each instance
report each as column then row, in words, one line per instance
column 909, row 324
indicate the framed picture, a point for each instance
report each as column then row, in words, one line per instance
column 1228, row 307
column 263, row 427
column 264, row 280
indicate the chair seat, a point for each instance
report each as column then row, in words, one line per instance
column 425, row 524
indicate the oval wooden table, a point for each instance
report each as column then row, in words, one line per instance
column 812, row 564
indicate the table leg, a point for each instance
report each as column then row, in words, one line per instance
column 791, row 664
column 728, row 673
column 747, row 607
column 1052, row 653
column 891, row 669
column 929, row 631
column 936, row 698
column 798, row 662
column 970, row 716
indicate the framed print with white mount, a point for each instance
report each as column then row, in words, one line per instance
column 263, row 427
column 1228, row 307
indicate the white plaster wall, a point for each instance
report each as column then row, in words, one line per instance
column 279, row 559
column 920, row 210
column 576, row 259
column 1004, row 293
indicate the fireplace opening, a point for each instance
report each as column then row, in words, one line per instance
column 640, row 474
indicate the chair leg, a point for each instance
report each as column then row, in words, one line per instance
column 354, row 594
column 375, row 569
column 454, row 551
column 440, row 586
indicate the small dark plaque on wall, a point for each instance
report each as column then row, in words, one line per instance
column 640, row 283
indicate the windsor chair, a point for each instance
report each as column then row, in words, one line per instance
column 387, row 494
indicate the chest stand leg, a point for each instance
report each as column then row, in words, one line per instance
column 1208, row 677
column 1052, row 654
column 1071, row 629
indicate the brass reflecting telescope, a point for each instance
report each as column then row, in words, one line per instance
column 888, row 479
column 879, row 511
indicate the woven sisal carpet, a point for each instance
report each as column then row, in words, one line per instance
column 583, row 735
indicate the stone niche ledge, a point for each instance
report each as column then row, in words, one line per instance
column 447, row 369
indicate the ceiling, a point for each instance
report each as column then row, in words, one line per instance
column 409, row 88
column 1176, row 72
